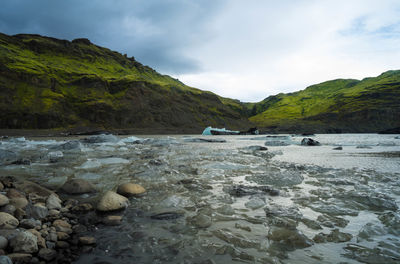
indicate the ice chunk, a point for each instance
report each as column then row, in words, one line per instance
column 218, row 131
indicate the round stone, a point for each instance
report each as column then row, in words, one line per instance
column 130, row 189
column 112, row 201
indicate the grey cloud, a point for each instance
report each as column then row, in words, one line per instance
column 157, row 33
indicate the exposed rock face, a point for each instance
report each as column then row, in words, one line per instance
column 78, row 186
column 112, row 201
column 130, row 189
column 141, row 101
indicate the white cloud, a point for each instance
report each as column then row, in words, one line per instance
column 260, row 48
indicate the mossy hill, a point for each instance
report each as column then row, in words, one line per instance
column 342, row 105
column 51, row 83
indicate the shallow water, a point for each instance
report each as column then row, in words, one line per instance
column 211, row 202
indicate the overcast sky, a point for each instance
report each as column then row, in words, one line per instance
column 243, row 49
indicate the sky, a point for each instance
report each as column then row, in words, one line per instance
column 242, row 49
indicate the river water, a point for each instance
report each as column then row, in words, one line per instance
column 232, row 201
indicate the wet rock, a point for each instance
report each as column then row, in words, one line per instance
column 83, row 207
column 332, row 209
column 277, row 178
column 53, row 202
column 311, row 223
column 77, row 186
column 70, row 145
column 24, row 242
column 1, row 186
column 309, row 142
column 37, row 211
column 55, row 156
column 332, row 221
column 22, row 162
column 62, row 226
column 243, row 190
column 7, row 157
column 112, row 201
column 30, row 223
column 209, row 140
column 167, row 216
column 3, row 243
column 9, row 208
column 257, row 148
column 112, row 220
column 370, row 230
column 20, row 258
column 368, row 255
column 130, row 189
column 290, row 237
column 338, row 148
column 392, row 221
column 225, row 210
column 87, row 240
column 235, row 239
column 31, row 187
column 291, row 212
column 276, row 143
column 335, row 236
column 8, row 221
column 202, row 221
column 19, row 213
column 101, row 139
column 47, row 254
column 5, row 260
column 3, row 200
column 375, row 201
column 255, row 203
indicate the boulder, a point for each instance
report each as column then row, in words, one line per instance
column 130, row 189
column 3, row 200
column 309, row 142
column 290, row 237
column 112, row 201
column 78, row 186
column 24, row 242
column 8, row 221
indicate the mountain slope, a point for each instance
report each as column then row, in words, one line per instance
column 342, row 105
column 52, row 83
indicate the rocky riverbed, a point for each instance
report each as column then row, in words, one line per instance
column 107, row 199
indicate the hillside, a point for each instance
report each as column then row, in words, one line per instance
column 51, row 83
column 343, row 105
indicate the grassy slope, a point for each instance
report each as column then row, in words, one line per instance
column 343, row 105
column 48, row 83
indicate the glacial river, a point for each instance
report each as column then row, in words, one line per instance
column 232, row 201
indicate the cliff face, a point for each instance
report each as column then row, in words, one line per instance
column 369, row 105
column 51, row 83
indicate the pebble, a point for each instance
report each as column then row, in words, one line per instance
column 202, row 221
column 29, row 223
column 62, row 244
column 41, row 242
column 62, row 226
column 130, row 189
column 33, row 188
column 38, row 211
column 112, row 201
column 20, row 257
column 8, row 221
